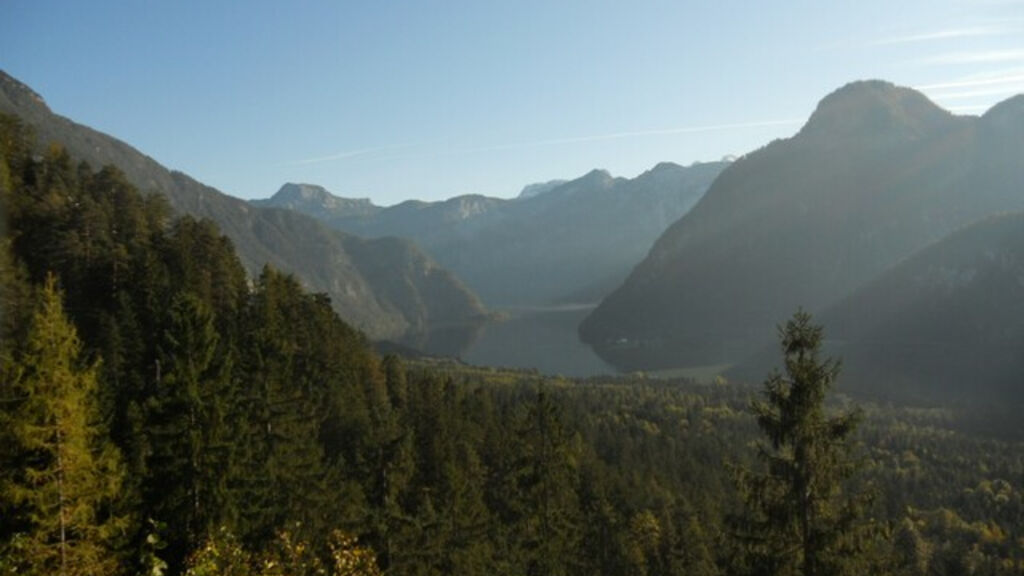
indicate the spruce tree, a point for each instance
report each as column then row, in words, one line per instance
column 69, row 474
column 799, row 520
column 284, row 478
column 188, row 428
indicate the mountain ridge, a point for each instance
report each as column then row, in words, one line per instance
column 320, row 257
column 950, row 314
column 577, row 238
column 804, row 221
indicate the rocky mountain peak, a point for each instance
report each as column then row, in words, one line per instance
column 874, row 106
column 19, row 93
column 303, row 192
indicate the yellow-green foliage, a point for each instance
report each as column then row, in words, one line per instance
column 69, row 472
column 223, row 555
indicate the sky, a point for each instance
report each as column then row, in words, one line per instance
column 393, row 100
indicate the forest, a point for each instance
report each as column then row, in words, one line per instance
column 162, row 413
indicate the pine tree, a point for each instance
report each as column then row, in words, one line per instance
column 70, row 474
column 799, row 521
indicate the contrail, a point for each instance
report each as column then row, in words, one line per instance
column 345, row 154
column 538, row 143
column 633, row 134
column 332, row 157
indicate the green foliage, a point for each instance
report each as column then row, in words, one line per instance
column 253, row 424
column 220, row 555
column 799, row 520
column 223, row 555
column 69, row 473
column 188, row 427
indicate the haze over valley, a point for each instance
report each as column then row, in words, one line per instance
column 553, row 288
column 689, row 267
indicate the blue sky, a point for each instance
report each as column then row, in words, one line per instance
column 394, row 100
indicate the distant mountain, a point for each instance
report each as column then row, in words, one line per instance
column 947, row 323
column 387, row 288
column 556, row 241
column 531, row 190
column 877, row 173
column 318, row 202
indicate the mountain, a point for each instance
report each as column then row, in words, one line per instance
column 557, row 241
column 947, row 323
column 877, row 173
column 531, row 190
column 387, row 288
column 318, row 202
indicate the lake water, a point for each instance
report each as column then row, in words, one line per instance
column 542, row 339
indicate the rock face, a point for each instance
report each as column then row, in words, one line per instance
column 389, row 289
column 877, row 173
column 556, row 242
column 318, row 202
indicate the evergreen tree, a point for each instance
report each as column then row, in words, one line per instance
column 547, row 477
column 187, row 421
column 799, row 521
column 283, row 477
column 70, row 474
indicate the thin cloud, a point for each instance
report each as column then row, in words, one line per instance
column 981, row 57
column 952, row 34
column 1011, row 76
column 969, row 109
column 966, row 95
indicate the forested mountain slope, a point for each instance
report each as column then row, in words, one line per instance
column 946, row 325
column 408, row 294
column 160, row 413
column 877, row 173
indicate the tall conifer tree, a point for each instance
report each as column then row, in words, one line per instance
column 70, row 473
column 799, row 521
column 187, row 422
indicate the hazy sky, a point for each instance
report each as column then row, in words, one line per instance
column 395, row 100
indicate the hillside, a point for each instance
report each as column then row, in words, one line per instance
column 877, row 173
column 557, row 241
column 387, row 289
column 947, row 323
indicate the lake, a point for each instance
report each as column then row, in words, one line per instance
column 544, row 339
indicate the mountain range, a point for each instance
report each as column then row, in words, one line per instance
column 387, row 287
column 557, row 242
column 898, row 224
column 878, row 174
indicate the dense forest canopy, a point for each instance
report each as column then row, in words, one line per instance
column 164, row 414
